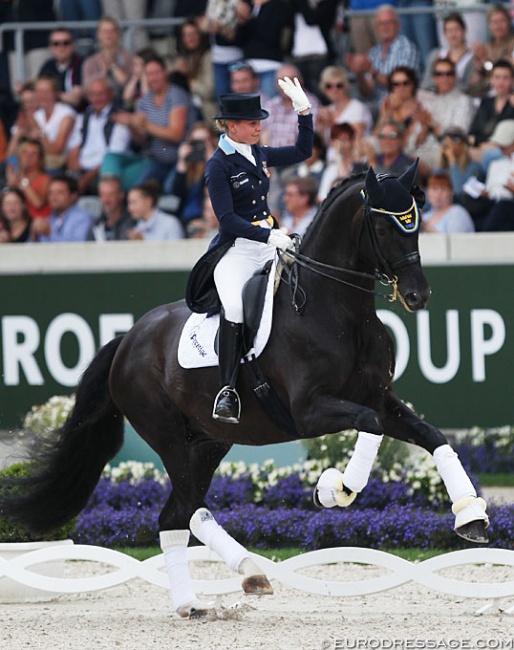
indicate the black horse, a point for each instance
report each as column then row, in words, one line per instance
column 331, row 366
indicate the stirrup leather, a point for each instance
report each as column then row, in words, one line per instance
column 232, row 396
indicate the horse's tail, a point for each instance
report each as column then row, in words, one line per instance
column 68, row 465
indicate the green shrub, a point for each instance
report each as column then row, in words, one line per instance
column 12, row 531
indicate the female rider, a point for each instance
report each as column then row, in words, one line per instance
column 237, row 177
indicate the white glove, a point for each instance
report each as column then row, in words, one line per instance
column 295, row 93
column 279, row 239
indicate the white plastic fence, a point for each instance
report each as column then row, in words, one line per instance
column 152, row 570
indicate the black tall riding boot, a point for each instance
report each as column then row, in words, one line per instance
column 227, row 405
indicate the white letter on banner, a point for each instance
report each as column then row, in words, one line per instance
column 447, row 372
column 401, row 336
column 61, row 325
column 20, row 353
column 113, row 324
column 480, row 346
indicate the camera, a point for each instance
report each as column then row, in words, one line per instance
column 197, row 152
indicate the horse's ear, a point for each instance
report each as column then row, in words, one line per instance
column 408, row 178
column 374, row 191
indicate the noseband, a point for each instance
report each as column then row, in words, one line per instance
column 407, row 222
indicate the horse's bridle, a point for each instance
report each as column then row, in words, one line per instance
column 386, row 276
column 388, row 268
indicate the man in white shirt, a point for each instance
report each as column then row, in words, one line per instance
column 94, row 135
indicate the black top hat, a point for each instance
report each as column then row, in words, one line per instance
column 241, row 106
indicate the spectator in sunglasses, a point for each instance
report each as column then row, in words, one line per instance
column 442, row 108
column 456, row 49
column 342, row 108
column 401, row 102
column 393, row 49
column 65, row 65
column 391, row 158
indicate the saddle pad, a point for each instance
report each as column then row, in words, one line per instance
column 196, row 345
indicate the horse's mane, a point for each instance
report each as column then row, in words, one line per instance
column 331, row 197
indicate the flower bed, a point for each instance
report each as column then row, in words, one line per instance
column 404, row 504
column 487, row 450
column 270, row 507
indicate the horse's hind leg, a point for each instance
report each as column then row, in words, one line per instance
column 190, row 485
column 402, row 423
column 207, row 530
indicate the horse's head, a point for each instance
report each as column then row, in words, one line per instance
column 392, row 221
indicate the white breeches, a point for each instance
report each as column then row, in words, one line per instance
column 233, row 270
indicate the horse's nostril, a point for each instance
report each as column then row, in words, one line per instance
column 412, row 299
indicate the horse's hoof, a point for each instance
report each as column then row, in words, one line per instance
column 474, row 532
column 257, row 586
column 330, row 491
column 196, row 609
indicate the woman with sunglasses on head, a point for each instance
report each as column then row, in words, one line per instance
column 237, row 178
column 341, row 108
column 455, row 158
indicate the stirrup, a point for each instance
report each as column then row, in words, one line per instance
column 230, row 410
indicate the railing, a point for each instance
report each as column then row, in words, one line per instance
column 400, row 572
column 441, row 8
column 128, row 27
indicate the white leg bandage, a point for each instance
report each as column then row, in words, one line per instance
column 356, row 474
column 466, row 506
column 174, row 547
column 454, row 477
column 207, row 530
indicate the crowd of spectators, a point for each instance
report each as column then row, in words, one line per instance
column 105, row 140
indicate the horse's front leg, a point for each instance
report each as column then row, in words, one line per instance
column 402, row 423
column 331, row 415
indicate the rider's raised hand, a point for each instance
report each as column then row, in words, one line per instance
column 296, row 93
column 279, row 239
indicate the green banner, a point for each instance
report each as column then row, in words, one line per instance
column 453, row 359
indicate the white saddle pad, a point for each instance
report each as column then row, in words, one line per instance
column 196, row 345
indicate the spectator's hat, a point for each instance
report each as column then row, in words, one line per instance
column 456, row 134
column 241, row 106
column 503, row 134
